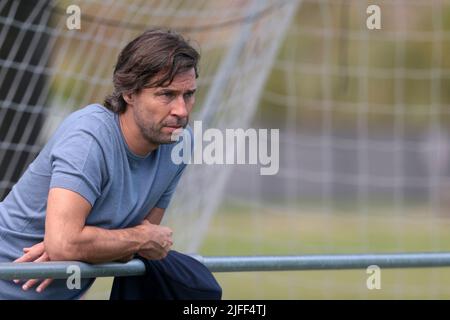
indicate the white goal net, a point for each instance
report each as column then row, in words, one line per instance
column 48, row 71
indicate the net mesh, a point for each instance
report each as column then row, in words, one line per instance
column 48, row 71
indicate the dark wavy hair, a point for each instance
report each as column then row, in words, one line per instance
column 155, row 52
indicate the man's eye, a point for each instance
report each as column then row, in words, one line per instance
column 188, row 95
column 168, row 94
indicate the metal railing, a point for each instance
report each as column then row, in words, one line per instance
column 59, row 270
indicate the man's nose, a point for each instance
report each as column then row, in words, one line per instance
column 179, row 109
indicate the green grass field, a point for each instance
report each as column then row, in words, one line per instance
column 236, row 231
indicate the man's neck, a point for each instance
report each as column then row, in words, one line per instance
column 133, row 137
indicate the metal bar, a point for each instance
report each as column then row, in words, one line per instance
column 327, row 262
column 59, row 270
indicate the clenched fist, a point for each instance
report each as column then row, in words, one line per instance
column 156, row 239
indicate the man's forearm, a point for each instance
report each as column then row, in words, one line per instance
column 67, row 237
column 97, row 245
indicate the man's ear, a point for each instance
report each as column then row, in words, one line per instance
column 128, row 97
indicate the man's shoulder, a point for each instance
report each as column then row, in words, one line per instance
column 91, row 115
column 92, row 119
column 91, row 123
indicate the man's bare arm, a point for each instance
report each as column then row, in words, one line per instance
column 68, row 238
column 155, row 215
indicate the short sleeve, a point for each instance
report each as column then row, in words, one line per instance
column 78, row 164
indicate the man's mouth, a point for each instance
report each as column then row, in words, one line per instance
column 174, row 125
column 172, row 128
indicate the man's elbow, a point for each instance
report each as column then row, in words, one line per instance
column 63, row 250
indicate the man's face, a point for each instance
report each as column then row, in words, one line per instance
column 159, row 111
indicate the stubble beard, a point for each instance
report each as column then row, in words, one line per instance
column 152, row 133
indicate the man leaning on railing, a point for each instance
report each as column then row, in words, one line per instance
column 99, row 188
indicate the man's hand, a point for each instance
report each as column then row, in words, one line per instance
column 157, row 241
column 34, row 254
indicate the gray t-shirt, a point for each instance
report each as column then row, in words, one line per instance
column 88, row 155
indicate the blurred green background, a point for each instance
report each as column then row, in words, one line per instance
column 232, row 230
